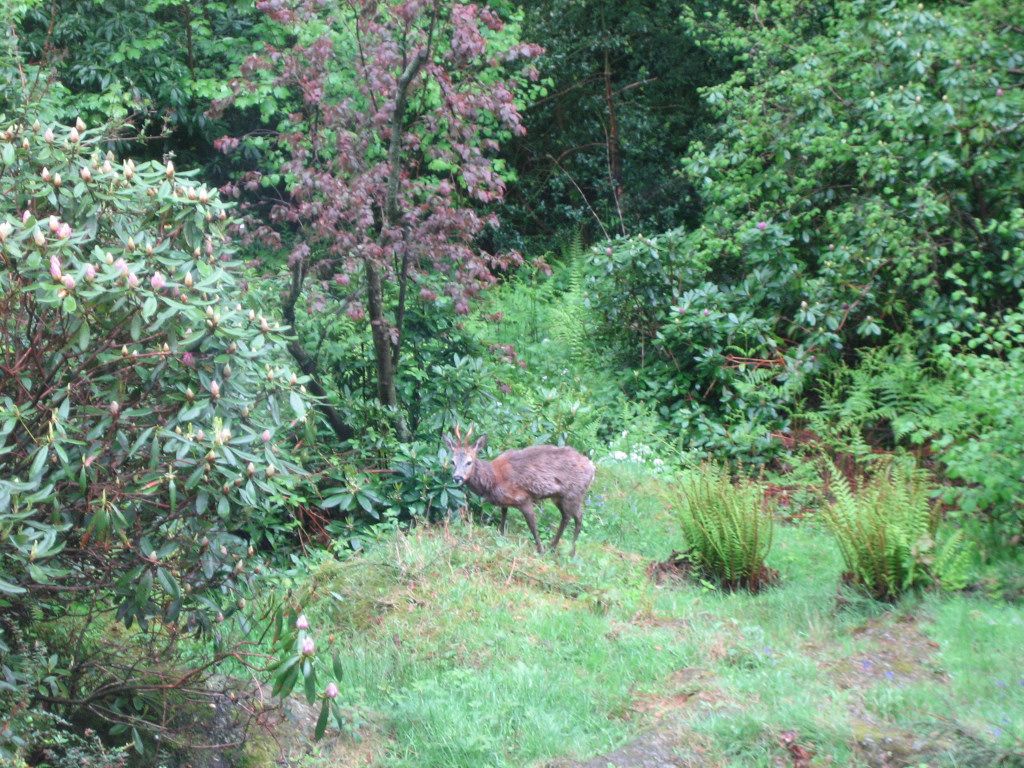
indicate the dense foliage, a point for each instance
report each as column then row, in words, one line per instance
column 787, row 233
column 621, row 104
column 152, row 67
column 866, row 182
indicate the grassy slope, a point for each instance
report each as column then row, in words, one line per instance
column 462, row 648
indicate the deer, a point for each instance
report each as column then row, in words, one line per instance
column 522, row 478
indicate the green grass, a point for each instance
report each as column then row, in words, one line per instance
column 462, row 648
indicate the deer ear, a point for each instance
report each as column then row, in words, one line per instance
column 481, row 443
column 449, row 442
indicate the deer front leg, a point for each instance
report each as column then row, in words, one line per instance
column 573, row 507
column 578, row 518
column 504, row 519
column 561, row 527
column 531, row 520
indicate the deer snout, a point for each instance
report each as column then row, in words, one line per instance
column 459, row 478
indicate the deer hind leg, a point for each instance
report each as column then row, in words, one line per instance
column 575, row 507
column 504, row 519
column 565, row 509
column 531, row 520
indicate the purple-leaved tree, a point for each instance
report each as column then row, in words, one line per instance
column 389, row 155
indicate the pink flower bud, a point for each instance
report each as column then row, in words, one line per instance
column 86, row 174
column 80, row 125
column 169, row 170
column 64, row 231
column 68, row 282
column 266, row 435
column 157, row 281
column 39, row 238
column 5, row 230
column 48, row 135
column 308, row 646
column 44, row 175
column 331, row 692
column 762, row 225
column 214, row 389
column 25, row 216
column 121, row 266
column 73, row 136
column 55, row 272
column 188, row 360
column 90, row 272
column 54, row 223
column 999, row 92
column 133, row 280
column 114, row 408
column 302, row 622
column 188, row 280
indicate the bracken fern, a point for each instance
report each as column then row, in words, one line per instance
column 727, row 528
column 888, row 534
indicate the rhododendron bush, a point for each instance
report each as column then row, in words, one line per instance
column 146, row 419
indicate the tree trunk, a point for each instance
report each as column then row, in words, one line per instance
column 379, row 328
column 382, row 348
column 386, row 351
column 614, row 150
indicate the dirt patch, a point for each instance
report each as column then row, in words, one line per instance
column 680, row 567
column 675, row 569
column 683, row 688
column 899, row 653
column 655, row 749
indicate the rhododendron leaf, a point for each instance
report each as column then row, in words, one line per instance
column 321, row 721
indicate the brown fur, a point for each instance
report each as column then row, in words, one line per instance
column 524, row 477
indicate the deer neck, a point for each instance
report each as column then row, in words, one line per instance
column 482, row 481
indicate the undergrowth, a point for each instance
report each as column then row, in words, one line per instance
column 461, row 647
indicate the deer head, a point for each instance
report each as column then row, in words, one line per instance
column 464, row 453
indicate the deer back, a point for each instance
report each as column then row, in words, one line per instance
column 543, row 471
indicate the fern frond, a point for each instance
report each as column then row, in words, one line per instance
column 887, row 533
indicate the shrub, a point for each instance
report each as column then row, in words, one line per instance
column 144, row 429
column 888, row 533
column 727, row 529
column 864, row 182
